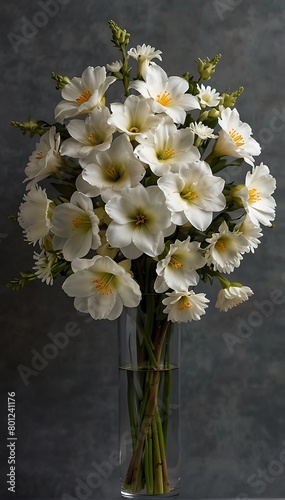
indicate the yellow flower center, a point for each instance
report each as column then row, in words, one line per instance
column 81, row 222
column 221, row 246
column 237, row 138
column 205, row 97
column 174, row 262
column 166, row 154
column 140, row 219
column 184, row 303
column 84, row 97
column 112, row 172
column 103, row 284
column 134, row 130
column 164, row 98
column 188, row 195
column 253, row 195
column 94, row 139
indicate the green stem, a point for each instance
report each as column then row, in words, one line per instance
column 166, row 402
column 134, row 467
column 166, row 486
column 148, row 463
column 145, row 398
column 167, row 385
column 131, row 407
column 125, row 71
column 132, row 476
column 148, row 345
column 158, row 476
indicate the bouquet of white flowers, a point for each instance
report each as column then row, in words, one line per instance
column 134, row 188
column 142, row 211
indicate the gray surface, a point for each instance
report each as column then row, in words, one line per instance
column 232, row 403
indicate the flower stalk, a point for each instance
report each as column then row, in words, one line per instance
column 121, row 39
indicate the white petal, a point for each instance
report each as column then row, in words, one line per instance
column 151, row 244
column 79, row 284
column 120, row 209
column 77, row 246
column 119, row 235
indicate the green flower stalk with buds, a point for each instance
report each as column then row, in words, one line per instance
column 207, row 67
column 121, row 39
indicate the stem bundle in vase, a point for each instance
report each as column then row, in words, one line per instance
column 149, row 397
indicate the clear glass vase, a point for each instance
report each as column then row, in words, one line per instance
column 149, row 348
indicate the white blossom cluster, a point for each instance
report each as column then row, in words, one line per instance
column 139, row 189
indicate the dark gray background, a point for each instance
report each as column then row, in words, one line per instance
column 232, row 416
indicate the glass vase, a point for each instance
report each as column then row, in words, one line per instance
column 149, row 348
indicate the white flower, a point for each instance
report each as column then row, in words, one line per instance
column 85, row 188
column 144, row 54
column 114, row 170
column 235, row 138
column 75, row 227
column 202, row 131
column 166, row 148
column 193, row 194
column 168, row 94
column 185, row 306
column 134, row 116
column 225, row 249
column 114, row 67
column 46, row 159
column 232, row 296
column 84, row 94
column 177, row 269
column 89, row 136
column 101, row 287
column 140, row 221
column 34, row 215
column 251, row 232
column 43, row 265
column 256, row 195
column 208, row 96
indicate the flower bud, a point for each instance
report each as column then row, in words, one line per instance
column 229, row 100
column 214, row 113
column 203, row 116
column 120, row 37
column 61, row 81
column 207, row 67
column 31, row 126
column 236, row 194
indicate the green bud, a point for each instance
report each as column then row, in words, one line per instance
column 228, row 100
column 235, row 193
column 31, row 126
column 207, row 67
column 120, row 37
column 61, row 81
column 203, row 116
column 186, row 76
column 214, row 113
